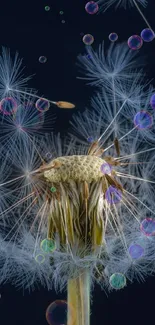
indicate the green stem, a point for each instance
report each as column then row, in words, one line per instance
column 79, row 299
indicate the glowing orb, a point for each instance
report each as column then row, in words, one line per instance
column 88, row 39
column 42, row 59
column 113, row 195
column 91, row 7
column 42, row 105
column 48, row 245
column 147, row 35
column 8, row 106
column 40, row 258
column 106, row 168
column 143, row 120
column 135, row 42
column 117, row 281
column 152, row 101
column 56, row 313
column 148, row 227
column 61, row 12
column 136, row 251
column 113, row 37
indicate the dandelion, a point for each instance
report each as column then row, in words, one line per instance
column 106, row 67
column 106, row 4
column 86, row 215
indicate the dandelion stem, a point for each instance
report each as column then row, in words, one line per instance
column 147, row 23
column 79, row 299
column 32, row 95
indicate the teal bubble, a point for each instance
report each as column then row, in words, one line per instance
column 53, row 189
column 117, row 281
column 48, row 245
column 47, row 8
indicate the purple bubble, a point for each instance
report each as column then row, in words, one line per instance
column 106, row 168
column 135, row 42
column 113, row 37
column 136, row 251
column 113, row 195
column 147, row 35
column 143, row 120
column 91, row 7
column 148, row 227
column 152, row 101
column 88, row 39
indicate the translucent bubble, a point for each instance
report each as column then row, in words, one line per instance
column 106, row 168
column 63, row 21
column 56, row 313
column 40, row 258
column 8, row 106
column 148, row 227
column 135, row 42
column 90, row 139
column 88, row 39
column 143, row 120
column 48, row 156
column 147, row 35
column 117, row 281
column 61, row 12
column 47, row 8
column 113, row 195
column 136, row 251
column 42, row 105
column 48, row 245
column 42, row 59
column 113, row 37
column 91, row 7
column 152, row 101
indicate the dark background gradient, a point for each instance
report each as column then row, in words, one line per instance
column 26, row 27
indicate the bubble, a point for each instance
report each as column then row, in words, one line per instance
column 136, row 251
column 40, row 258
column 42, row 105
column 113, row 37
column 143, row 120
column 53, row 189
column 152, row 101
column 48, row 156
column 148, row 227
column 147, row 35
column 91, row 7
column 47, row 8
column 117, row 280
column 42, row 59
column 106, row 168
column 90, row 139
column 48, row 245
column 135, row 42
column 113, row 195
column 61, row 12
column 63, row 21
column 56, row 313
column 88, row 39
column 8, row 106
